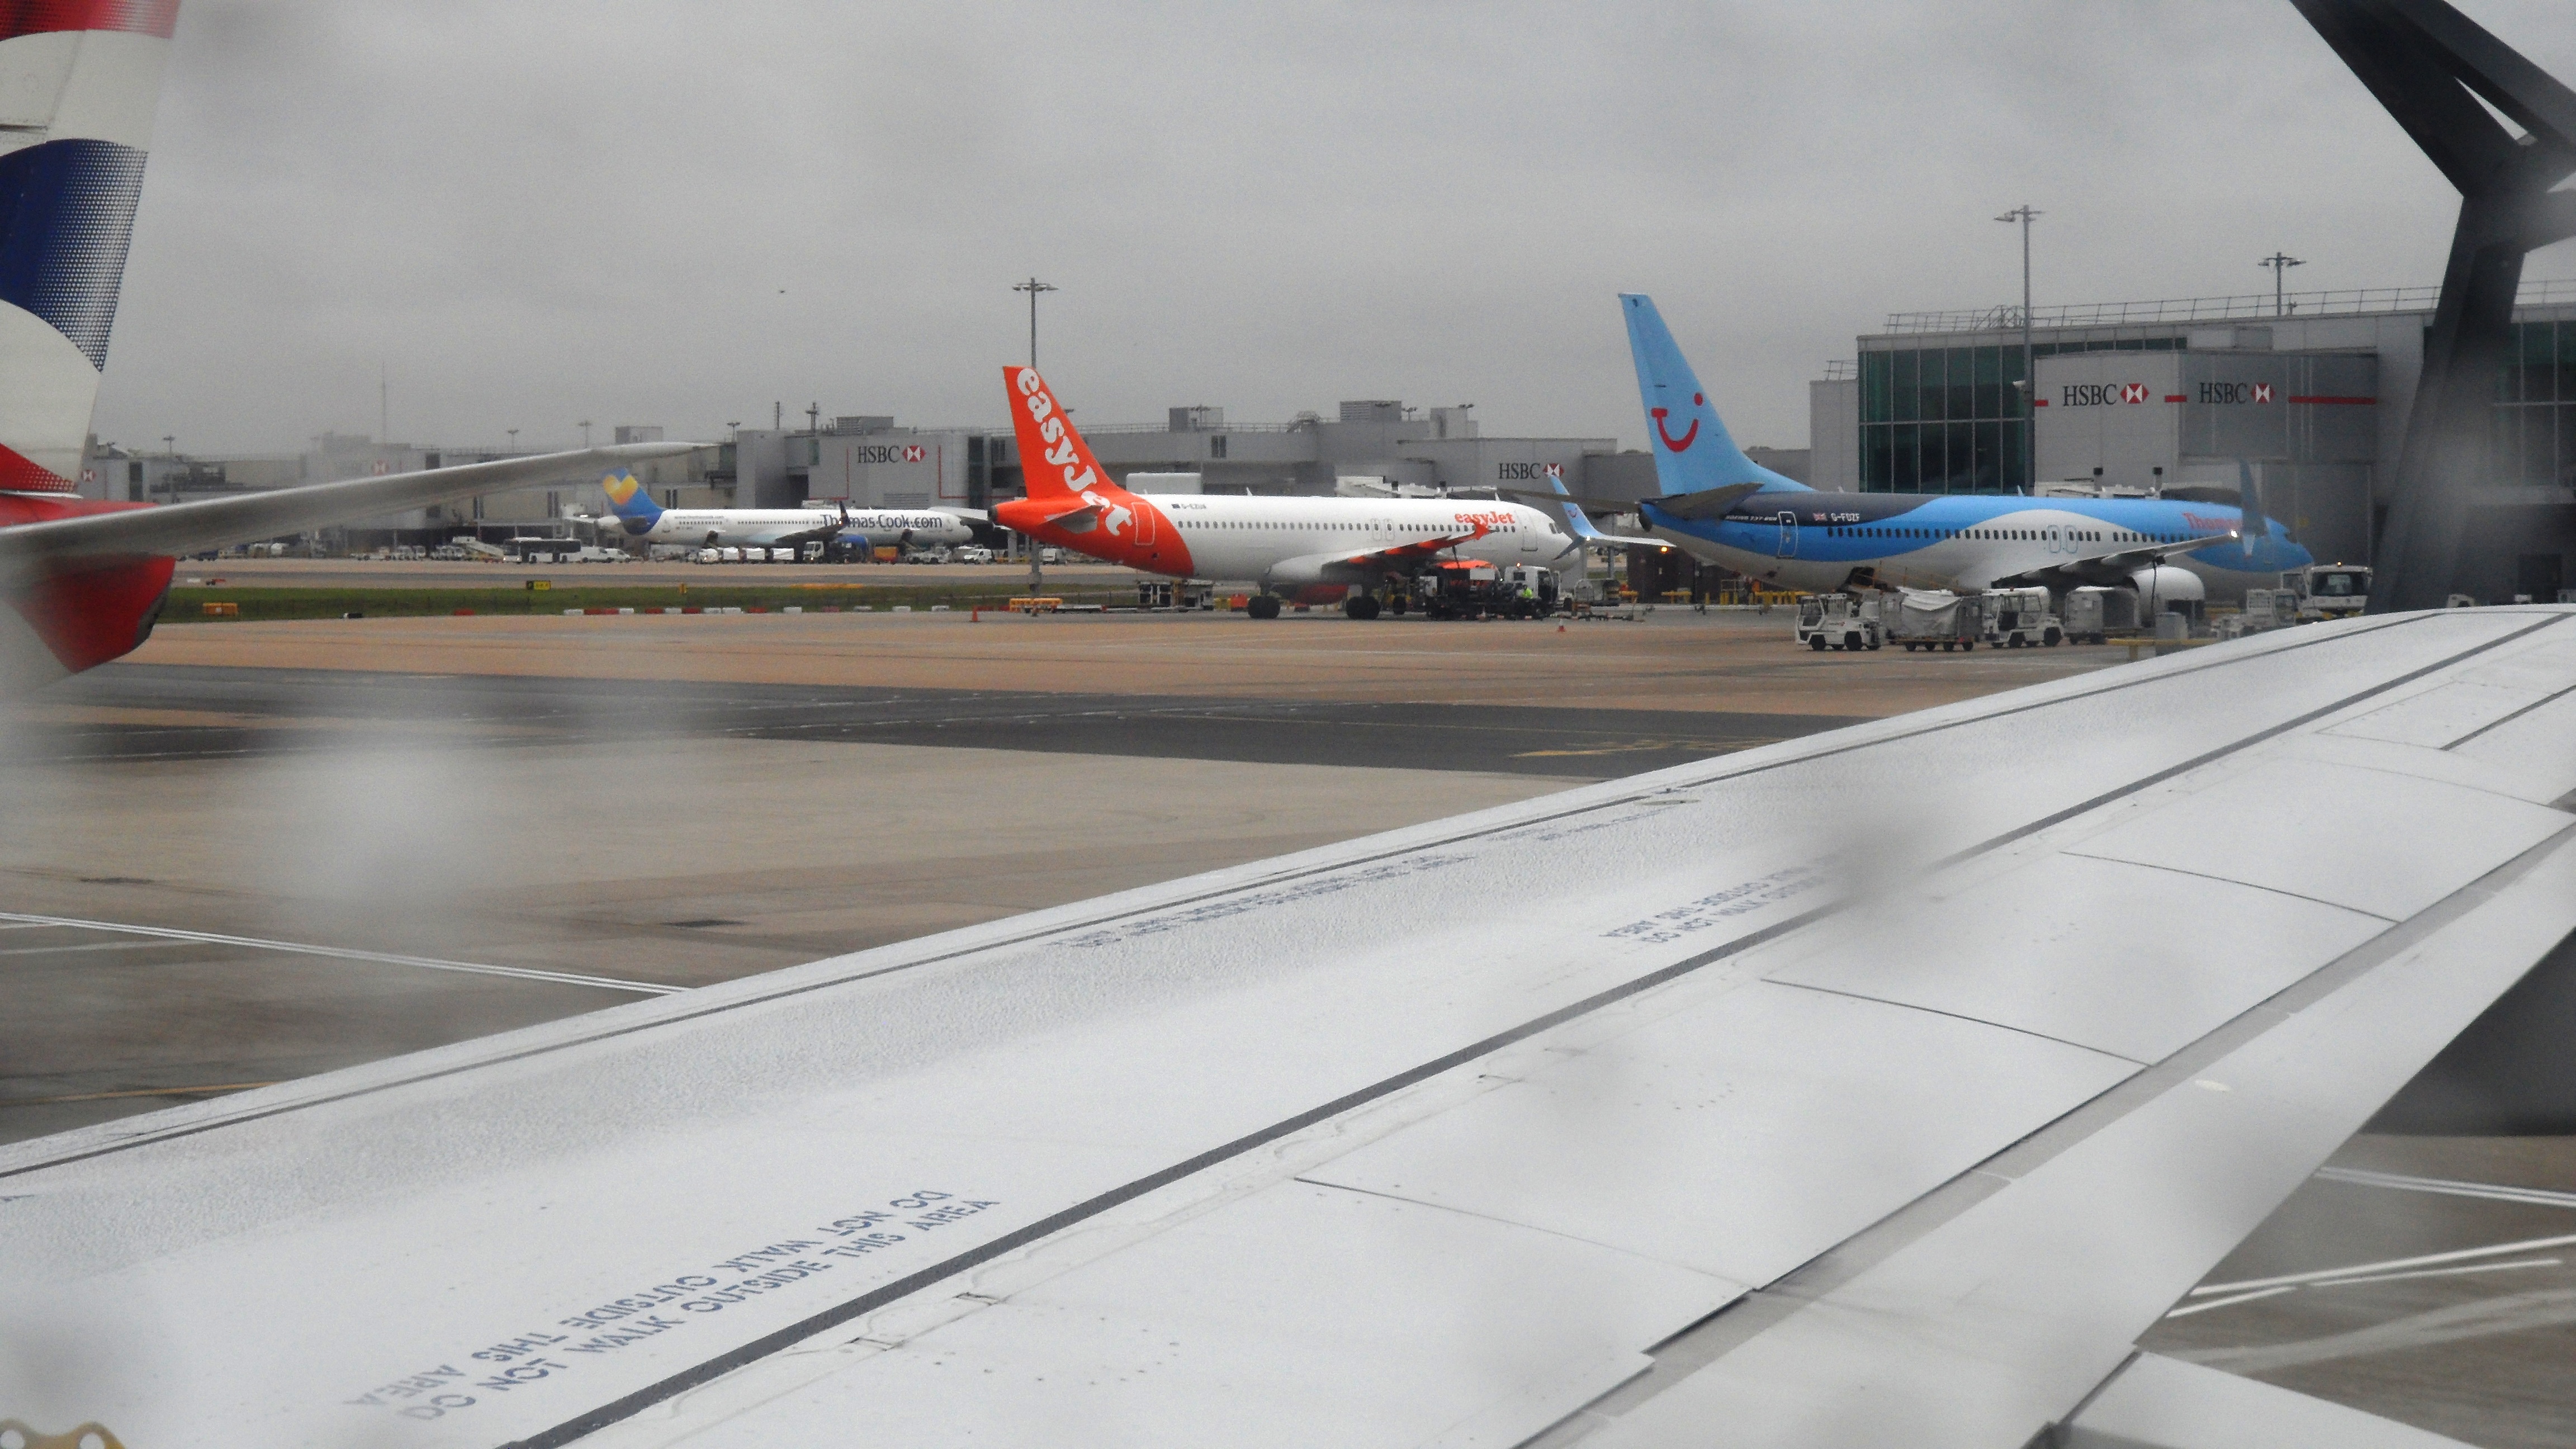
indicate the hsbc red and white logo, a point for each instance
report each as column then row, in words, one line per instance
column 2262, row 392
column 915, row 453
column 2103, row 394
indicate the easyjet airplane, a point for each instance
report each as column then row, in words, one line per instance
column 1279, row 545
column 82, row 580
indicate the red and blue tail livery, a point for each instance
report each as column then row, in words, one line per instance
column 79, row 80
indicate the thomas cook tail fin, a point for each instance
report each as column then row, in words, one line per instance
column 78, row 84
column 631, row 501
column 1693, row 452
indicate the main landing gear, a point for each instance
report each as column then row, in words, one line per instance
column 1262, row 606
column 1360, row 606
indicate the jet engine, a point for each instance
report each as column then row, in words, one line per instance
column 2165, row 584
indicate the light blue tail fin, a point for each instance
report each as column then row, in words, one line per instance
column 1575, row 518
column 1693, row 452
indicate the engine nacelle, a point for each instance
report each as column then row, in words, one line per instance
column 2164, row 584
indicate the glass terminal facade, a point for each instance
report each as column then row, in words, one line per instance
column 2535, row 437
column 1951, row 419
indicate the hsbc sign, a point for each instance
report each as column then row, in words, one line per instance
column 2229, row 394
column 2103, row 394
column 873, row 453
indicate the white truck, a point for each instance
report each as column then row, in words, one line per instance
column 2328, row 591
column 2020, row 619
column 1839, row 621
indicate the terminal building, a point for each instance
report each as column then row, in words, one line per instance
column 873, row 463
column 2313, row 389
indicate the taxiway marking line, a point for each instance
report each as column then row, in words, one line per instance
column 2493, row 1191
column 381, row 958
column 2230, row 1302
column 2322, row 1274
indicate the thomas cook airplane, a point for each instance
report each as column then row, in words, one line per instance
column 82, row 581
column 1722, row 507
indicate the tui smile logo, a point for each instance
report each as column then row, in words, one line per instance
column 1691, row 435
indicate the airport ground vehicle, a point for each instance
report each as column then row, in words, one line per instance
column 2094, row 613
column 2264, row 609
column 1469, row 589
column 2328, row 591
column 971, row 554
column 1839, row 621
column 1930, row 619
column 2019, row 619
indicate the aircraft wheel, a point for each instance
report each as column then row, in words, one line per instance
column 1262, row 606
column 1359, row 606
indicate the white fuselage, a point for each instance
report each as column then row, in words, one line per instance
column 1273, row 540
column 762, row 527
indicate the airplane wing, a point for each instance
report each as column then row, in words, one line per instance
column 1661, row 1111
column 2115, row 568
column 1368, row 564
column 29, row 550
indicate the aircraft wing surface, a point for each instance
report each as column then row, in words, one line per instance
column 1648, row 1113
column 26, row 550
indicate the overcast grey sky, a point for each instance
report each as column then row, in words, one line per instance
column 660, row 212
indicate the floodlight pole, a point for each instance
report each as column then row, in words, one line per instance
column 2280, row 263
column 1037, row 570
column 2029, row 378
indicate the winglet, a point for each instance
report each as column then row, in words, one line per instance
column 1693, row 451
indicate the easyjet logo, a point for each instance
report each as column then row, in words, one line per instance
column 1484, row 520
column 1062, row 449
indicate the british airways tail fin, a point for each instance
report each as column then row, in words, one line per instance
column 78, row 84
column 1693, row 452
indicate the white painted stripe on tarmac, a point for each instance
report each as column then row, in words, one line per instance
column 2231, row 1302
column 2440, row 1272
column 381, row 958
column 2392, row 1265
column 2493, row 1192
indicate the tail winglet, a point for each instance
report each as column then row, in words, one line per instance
column 1693, row 451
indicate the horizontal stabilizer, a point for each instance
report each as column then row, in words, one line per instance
column 1708, row 505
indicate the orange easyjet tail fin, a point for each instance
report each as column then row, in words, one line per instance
column 1053, row 457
